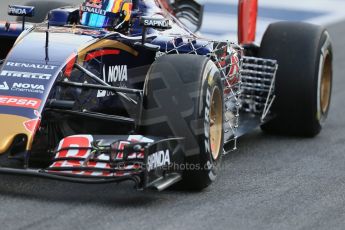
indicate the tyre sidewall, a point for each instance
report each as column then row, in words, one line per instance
column 210, row 167
column 324, row 49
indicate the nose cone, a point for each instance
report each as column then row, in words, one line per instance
column 10, row 127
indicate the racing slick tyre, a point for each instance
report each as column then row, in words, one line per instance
column 183, row 97
column 42, row 8
column 304, row 77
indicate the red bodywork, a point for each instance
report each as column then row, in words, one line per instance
column 247, row 15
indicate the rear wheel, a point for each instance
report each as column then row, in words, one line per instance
column 304, row 77
column 184, row 98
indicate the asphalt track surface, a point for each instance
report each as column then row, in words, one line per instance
column 269, row 183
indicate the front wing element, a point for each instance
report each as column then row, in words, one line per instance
column 147, row 161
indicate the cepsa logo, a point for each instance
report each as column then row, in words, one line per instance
column 22, row 102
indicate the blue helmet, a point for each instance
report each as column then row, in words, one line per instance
column 105, row 13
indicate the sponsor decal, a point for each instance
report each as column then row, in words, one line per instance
column 116, row 74
column 4, row 86
column 22, row 102
column 41, row 76
column 15, row 10
column 68, row 147
column 207, row 121
column 104, row 93
column 32, row 125
column 77, row 141
column 32, row 66
column 158, row 159
column 93, row 10
column 29, row 88
column 23, row 87
column 156, row 23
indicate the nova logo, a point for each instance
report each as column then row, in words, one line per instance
column 158, row 159
column 16, row 11
column 4, row 86
column 30, row 88
column 116, row 74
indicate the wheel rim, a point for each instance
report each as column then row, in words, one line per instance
column 216, row 123
column 326, row 84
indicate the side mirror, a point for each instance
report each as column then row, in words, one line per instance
column 24, row 11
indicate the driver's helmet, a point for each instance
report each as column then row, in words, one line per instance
column 110, row 14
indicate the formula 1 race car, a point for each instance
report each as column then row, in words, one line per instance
column 117, row 90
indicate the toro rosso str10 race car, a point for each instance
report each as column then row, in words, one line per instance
column 117, row 90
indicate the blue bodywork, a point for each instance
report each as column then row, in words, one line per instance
column 59, row 79
column 59, row 43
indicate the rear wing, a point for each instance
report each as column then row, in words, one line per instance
column 187, row 11
column 9, row 31
column 21, row 11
